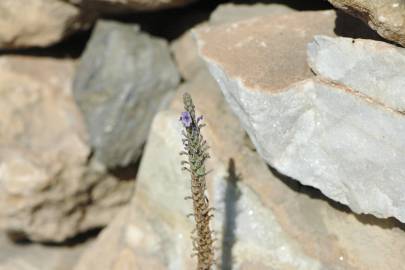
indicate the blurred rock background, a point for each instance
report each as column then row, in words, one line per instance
column 304, row 105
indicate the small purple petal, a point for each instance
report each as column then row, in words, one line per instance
column 199, row 118
column 185, row 119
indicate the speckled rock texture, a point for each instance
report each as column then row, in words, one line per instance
column 327, row 130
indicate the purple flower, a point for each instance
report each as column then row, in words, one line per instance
column 199, row 118
column 185, row 118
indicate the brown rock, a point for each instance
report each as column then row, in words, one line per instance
column 48, row 189
column 28, row 23
column 387, row 17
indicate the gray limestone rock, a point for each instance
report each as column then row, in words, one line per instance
column 123, row 78
column 346, row 142
column 373, row 68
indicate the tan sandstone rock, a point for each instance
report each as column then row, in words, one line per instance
column 387, row 17
column 30, row 23
column 184, row 48
column 49, row 190
column 269, row 222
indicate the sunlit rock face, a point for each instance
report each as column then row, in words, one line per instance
column 50, row 190
column 39, row 23
column 263, row 220
column 328, row 130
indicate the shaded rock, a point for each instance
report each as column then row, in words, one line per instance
column 269, row 223
column 322, row 133
column 373, row 68
column 387, row 17
column 48, row 189
column 29, row 256
column 123, row 78
column 27, row 23
column 185, row 54
column 227, row 13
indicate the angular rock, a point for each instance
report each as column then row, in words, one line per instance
column 48, row 189
column 27, row 23
column 184, row 48
column 387, row 17
column 322, row 133
column 268, row 223
column 227, row 13
column 382, row 67
column 123, row 78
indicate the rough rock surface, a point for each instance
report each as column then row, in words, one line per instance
column 227, row 13
column 48, row 189
column 320, row 132
column 26, row 23
column 373, row 68
column 184, row 48
column 123, row 78
column 387, row 17
column 30, row 256
column 268, row 223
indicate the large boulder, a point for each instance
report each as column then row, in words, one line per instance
column 387, row 17
column 123, row 78
column 28, row 23
column 334, row 131
column 262, row 220
column 49, row 191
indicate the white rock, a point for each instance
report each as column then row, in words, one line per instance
column 374, row 68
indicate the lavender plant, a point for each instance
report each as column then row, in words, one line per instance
column 195, row 147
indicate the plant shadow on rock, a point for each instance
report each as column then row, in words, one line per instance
column 232, row 195
column 316, row 194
